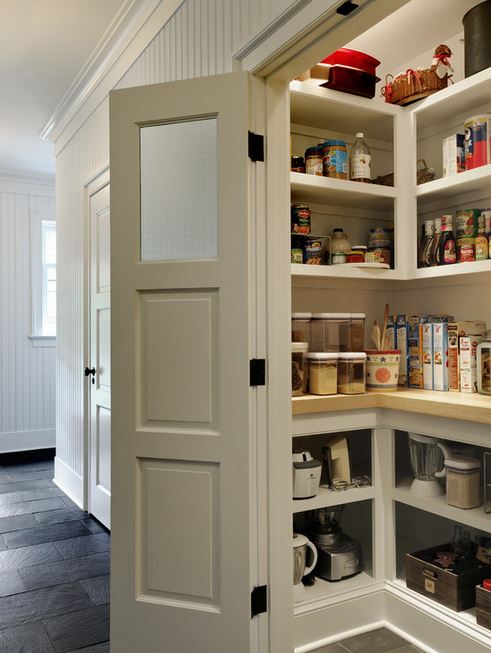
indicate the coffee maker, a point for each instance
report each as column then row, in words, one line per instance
column 339, row 556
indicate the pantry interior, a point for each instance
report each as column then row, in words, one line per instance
column 385, row 517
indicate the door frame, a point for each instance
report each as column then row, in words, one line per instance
column 92, row 186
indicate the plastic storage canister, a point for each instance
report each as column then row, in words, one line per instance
column 351, row 373
column 323, row 373
column 299, row 368
column 301, row 327
column 463, row 482
column 330, row 332
column 356, row 340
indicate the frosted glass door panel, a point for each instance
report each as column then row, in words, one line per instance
column 179, row 191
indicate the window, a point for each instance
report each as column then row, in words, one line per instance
column 48, row 288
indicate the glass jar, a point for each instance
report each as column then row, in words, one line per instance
column 330, row 332
column 340, row 246
column 351, row 373
column 299, row 368
column 357, row 332
column 463, row 482
column 301, row 327
column 313, row 160
column 323, row 373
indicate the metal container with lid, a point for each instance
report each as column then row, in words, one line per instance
column 477, row 38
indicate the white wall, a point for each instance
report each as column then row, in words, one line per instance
column 27, row 372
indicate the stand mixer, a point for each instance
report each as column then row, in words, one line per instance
column 428, row 457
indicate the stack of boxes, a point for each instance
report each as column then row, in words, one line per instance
column 437, row 353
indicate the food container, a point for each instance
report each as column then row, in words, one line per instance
column 456, row 591
column 354, row 59
column 301, row 327
column 477, row 141
column 351, row 373
column 351, row 80
column 356, row 340
column 331, row 332
column 313, row 160
column 335, row 159
column 300, row 219
column 466, row 249
column 296, row 254
column 357, row 254
column 463, row 482
column 382, row 254
column 323, row 373
column 299, row 368
column 379, row 237
column 484, row 367
column 382, row 370
column 483, row 607
column 466, row 223
column 312, row 250
column 297, row 164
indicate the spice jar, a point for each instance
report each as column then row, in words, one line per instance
column 301, row 327
column 299, row 368
column 323, row 373
column 313, row 160
column 330, row 332
column 351, row 373
column 463, row 482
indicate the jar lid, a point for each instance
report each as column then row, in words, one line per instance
column 301, row 316
column 358, row 247
column 299, row 540
column 300, row 347
column 353, row 355
column 331, row 143
column 323, row 356
column 462, row 463
column 331, row 316
column 315, row 149
column 358, row 316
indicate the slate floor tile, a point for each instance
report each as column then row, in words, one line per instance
column 10, row 583
column 29, row 555
column 59, row 516
column 331, row 648
column 84, row 546
column 3, row 544
column 98, row 589
column 29, row 495
column 29, row 638
column 26, row 476
column 84, row 628
column 98, row 648
column 381, row 640
column 64, row 571
column 20, row 486
column 45, row 534
column 37, row 604
column 28, row 507
column 407, row 649
column 17, row 523
column 94, row 525
column 41, row 465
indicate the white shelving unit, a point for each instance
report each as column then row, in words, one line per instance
column 326, row 498
column 449, row 189
column 323, row 592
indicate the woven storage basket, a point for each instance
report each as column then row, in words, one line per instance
column 413, row 85
column 423, row 175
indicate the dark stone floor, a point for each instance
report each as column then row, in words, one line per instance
column 54, row 565
column 376, row 641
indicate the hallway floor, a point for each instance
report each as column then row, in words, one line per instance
column 54, row 567
column 375, row 641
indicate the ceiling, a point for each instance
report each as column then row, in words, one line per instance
column 44, row 45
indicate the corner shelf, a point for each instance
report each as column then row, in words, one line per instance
column 326, row 498
column 322, row 592
column 448, row 189
column 475, row 517
column 455, row 270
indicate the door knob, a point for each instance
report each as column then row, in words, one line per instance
column 90, row 371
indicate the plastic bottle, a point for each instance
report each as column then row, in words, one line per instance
column 435, row 247
column 447, row 246
column 340, row 246
column 426, row 245
column 481, row 240
column 360, row 160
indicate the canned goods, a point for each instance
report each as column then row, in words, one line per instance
column 338, row 257
column 357, row 254
column 466, row 250
column 312, row 251
column 487, row 220
column 477, row 141
column 373, row 257
column 379, row 237
column 335, row 159
column 313, row 160
column 466, row 222
column 300, row 219
column 296, row 255
column 383, row 254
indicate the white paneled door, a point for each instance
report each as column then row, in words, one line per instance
column 182, row 528
column 99, row 372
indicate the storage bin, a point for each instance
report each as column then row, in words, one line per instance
column 357, row 332
column 301, row 327
column 331, row 332
column 351, row 373
column 463, row 482
column 323, row 373
column 299, row 368
column 455, row 591
column 351, row 80
column 483, row 607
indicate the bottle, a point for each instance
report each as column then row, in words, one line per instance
column 482, row 244
column 435, row 247
column 426, row 245
column 447, row 246
column 359, row 160
column 340, row 247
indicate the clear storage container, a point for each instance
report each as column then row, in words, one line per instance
column 463, row 482
column 323, row 373
column 357, row 332
column 301, row 327
column 351, row 373
column 299, row 368
column 330, row 332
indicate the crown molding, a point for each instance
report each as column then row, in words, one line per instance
column 26, row 183
column 132, row 29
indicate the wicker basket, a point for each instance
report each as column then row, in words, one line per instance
column 423, row 174
column 413, row 85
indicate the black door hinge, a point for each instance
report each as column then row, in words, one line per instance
column 256, row 147
column 347, row 8
column 257, row 371
column 259, row 600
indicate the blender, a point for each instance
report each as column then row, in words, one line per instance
column 428, row 457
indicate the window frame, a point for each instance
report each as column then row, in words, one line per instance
column 39, row 337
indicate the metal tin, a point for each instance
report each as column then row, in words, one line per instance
column 296, row 255
column 477, row 41
column 477, row 141
column 466, row 222
column 487, row 220
column 335, row 159
column 466, row 250
column 357, row 254
column 384, row 254
column 312, row 251
column 300, row 219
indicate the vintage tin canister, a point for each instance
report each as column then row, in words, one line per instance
column 477, row 143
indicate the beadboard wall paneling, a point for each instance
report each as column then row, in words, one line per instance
column 27, row 373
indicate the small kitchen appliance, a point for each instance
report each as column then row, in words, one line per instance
column 339, row 556
column 301, row 548
column 428, row 457
column 335, row 460
column 306, row 475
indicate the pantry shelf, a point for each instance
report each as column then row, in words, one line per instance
column 340, row 192
column 449, row 188
column 322, row 591
column 475, row 517
column 342, row 272
column 326, row 498
column 450, row 405
column 456, row 269
column 340, row 112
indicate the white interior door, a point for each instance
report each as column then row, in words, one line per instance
column 181, row 289
column 99, row 371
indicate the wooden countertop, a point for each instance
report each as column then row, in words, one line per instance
column 452, row 405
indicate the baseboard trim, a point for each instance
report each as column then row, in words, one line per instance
column 11, row 442
column 69, row 482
